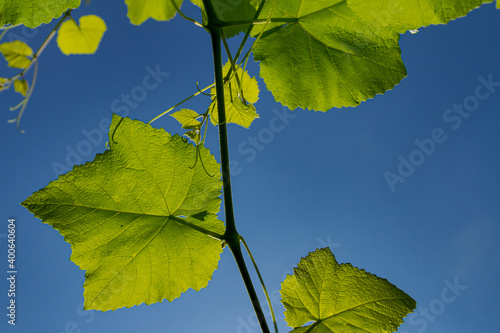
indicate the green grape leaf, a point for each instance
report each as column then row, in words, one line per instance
column 412, row 14
column 137, row 217
column 498, row 4
column 231, row 10
column 341, row 298
column 187, row 118
column 161, row 10
column 16, row 53
column 34, row 12
column 21, row 86
column 328, row 57
column 238, row 111
column 83, row 38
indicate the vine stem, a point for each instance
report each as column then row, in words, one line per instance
column 231, row 235
column 46, row 42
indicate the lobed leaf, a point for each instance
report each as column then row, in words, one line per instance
column 134, row 215
column 161, row 10
column 34, row 12
column 412, row 14
column 239, row 108
column 341, row 298
column 82, row 39
column 21, row 86
column 16, row 53
column 328, row 57
column 338, row 53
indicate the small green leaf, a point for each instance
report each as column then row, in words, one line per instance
column 194, row 135
column 83, row 39
column 341, row 298
column 238, row 111
column 34, row 12
column 160, row 10
column 187, row 118
column 134, row 215
column 21, row 86
column 412, row 14
column 16, row 53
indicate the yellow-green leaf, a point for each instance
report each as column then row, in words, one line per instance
column 319, row 55
column 21, row 86
column 239, row 108
column 328, row 57
column 138, row 217
column 187, row 118
column 16, row 53
column 82, row 39
column 324, row 297
column 194, row 135
column 160, row 10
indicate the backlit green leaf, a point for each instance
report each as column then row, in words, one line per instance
column 341, row 298
column 328, row 57
column 187, row 118
column 34, row 12
column 82, row 39
column 131, row 217
column 16, row 53
column 412, row 14
column 239, row 108
column 194, row 135
column 21, row 86
column 160, row 10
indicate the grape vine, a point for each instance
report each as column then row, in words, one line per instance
column 152, row 199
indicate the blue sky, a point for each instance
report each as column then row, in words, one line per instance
column 318, row 180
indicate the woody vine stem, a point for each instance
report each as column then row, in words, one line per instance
column 231, row 236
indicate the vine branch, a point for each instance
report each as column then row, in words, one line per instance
column 231, row 236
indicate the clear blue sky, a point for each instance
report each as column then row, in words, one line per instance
column 318, row 180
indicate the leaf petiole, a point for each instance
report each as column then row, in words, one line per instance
column 261, row 282
column 197, row 228
column 181, row 102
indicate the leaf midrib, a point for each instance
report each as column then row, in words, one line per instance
column 175, row 218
